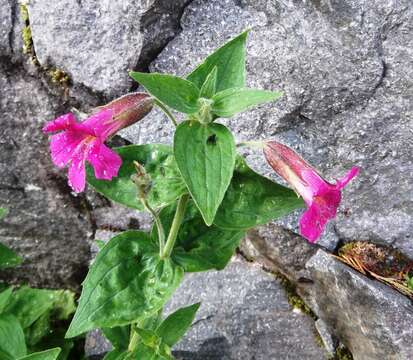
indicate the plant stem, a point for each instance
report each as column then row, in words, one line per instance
column 159, row 226
column 166, row 111
column 176, row 224
column 134, row 339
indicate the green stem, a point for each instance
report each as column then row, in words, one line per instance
column 176, row 224
column 134, row 339
column 159, row 226
column 166, row 111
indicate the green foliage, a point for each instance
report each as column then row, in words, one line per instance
column 159, row 162
column 175, row 325
column 409, row 281
column 200, row 247
column 230, row 63
column 210, row 149
column 51, row 354
column 8, row 258
column 29, row 304
column 5, row 297
column 154, row 342
column 173, row 91
column 118, row 336
column 127, row 282
column 12, row 344
column 220, row 197
column 209, row 87
column 232, row 101
column 253, row 200
column 3, row 212
column 37, row 313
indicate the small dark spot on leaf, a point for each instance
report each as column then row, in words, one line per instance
column 162, row 170
column 212, row 139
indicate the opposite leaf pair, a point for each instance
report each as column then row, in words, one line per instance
column 153, row 339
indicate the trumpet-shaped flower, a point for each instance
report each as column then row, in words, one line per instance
column 76, row 143
column 321, row 197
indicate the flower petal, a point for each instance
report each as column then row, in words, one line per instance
column 341, row 183
column 61, row 123
column 63, row 145
column 100, row 124
column 322, row 209
column 77, row 172
column 311, row 224
column 105, row 161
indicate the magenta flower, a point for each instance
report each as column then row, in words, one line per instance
column 78, row 142
column 321, row 197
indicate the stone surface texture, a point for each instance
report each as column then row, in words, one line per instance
column 244, row 315
column 278, row 250
column 373, row 320
column 46, row 224
column 6, row 25
column 97, row 42
column 346, row 71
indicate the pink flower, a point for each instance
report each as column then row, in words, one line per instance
column 321, row 197
column 78, row 142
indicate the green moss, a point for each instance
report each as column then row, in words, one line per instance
column 27, row 40
column 58, row 76
column 293, row 298
column 342, row 353
column 318, row 339
column 26, row 31
column 24, row 12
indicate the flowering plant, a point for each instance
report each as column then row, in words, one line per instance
column 202, row 195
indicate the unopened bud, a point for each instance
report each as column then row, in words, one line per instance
column 142, row 180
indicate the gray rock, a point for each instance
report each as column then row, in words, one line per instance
column 329, row 341
column 371, row 319
column 244, row 315
column 97, row 42
column 278, row 250
column 46, row 224
column 346, row 70
column 5, row 25
column 114, row 219
column 96, row 345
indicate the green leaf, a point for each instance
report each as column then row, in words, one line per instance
column 5, row 297
column 177, row 93
column 205, row 155
column 12, row 344
column 153, row 341
column 116, row 355
column 144, row 352
column 3, row 212
column 29, row 304
column 208, row 88
column 174, row 327
column 8, row 258
column 230, row 62
column 159, row 163
column 51, row 354
column 61, row 306
column 118, row 336
column 253, row 200
column 232, row 101
column 199, row 247
column 127, row 282
column 55, row 338
column 38, row 330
